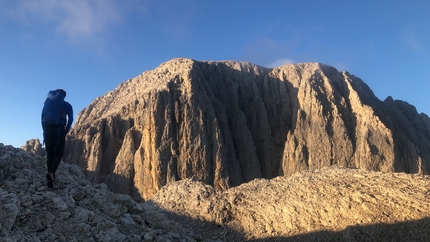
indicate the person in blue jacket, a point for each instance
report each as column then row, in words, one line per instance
column 54, row 136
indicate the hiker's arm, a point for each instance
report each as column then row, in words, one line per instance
column 41, row 122
column 69, row 117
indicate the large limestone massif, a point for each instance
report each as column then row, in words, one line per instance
column 225, row 123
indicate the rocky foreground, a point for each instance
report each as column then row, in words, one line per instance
column 74, row 210
column 329, row 204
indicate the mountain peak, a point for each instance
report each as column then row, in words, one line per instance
column 228, row 122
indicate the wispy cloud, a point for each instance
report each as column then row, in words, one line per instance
column 175, row 18
column 413, row 42
column 270, row 52
column 78, row 20
column 280, row 62
column 340, row 66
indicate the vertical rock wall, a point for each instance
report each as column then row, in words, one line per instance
column 225, row 123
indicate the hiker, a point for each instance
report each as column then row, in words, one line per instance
column 57, row 118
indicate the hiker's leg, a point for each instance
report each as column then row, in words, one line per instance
column 59, row 150
column 49, row 136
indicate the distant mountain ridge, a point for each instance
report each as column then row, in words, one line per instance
column 227, row 122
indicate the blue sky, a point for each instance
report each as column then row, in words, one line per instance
column 89, row 47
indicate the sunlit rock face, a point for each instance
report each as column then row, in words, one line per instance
column 34, row 146
column 227, row 122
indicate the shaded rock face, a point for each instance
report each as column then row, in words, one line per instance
column 226, row 123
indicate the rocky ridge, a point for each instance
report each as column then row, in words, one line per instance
column 329, row 204
column 226, row 123
column 34, row 146
column 75, row 210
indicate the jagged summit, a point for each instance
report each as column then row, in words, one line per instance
column 227, row 122
column 178, row 70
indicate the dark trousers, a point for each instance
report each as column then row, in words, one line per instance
column 54, row 137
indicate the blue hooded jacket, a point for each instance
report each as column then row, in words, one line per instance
column 66, row 118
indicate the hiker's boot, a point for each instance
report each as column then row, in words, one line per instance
column 50, row 177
